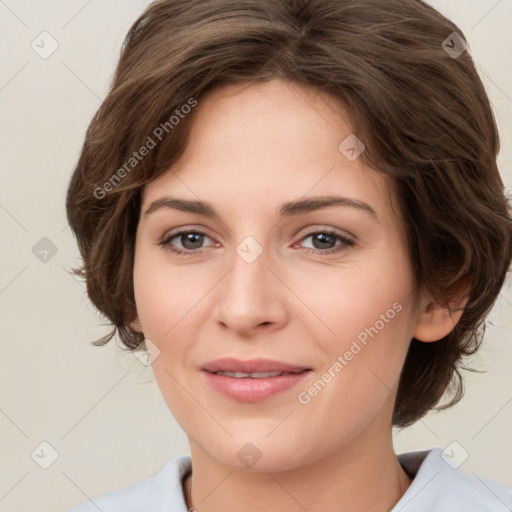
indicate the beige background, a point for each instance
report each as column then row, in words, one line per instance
column 100, row 408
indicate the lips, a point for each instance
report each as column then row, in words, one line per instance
column 254, row 375
column 252, row 366
column 254, row 380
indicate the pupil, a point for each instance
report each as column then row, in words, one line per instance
column 189, row 238
column 321, row 238
column 195, row 239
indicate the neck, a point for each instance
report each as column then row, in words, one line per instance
column 357, row 478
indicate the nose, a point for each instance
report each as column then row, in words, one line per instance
column 252, row 297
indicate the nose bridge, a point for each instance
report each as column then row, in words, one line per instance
column 249, row 295
column 252, row 257
column 248, row 279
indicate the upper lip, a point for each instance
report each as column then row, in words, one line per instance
column 230, row 364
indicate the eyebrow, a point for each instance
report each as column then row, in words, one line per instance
column 287, row 209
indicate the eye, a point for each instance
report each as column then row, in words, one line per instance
column 191, row 241
column 323, row 242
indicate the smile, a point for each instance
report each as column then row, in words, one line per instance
column 256, row 375
column 253, row 387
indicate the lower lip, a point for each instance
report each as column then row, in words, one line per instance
column 253, row 390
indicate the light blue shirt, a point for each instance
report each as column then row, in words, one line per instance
column 437, row 487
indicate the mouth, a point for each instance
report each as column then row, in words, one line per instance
column 252, row 381
column 252, row 366
column 256, row 375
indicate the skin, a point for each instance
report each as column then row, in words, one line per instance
column 251, row 148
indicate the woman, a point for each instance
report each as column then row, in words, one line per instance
column 295, row 207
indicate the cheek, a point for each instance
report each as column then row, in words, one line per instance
column 373, row 319
column 164, row 294
column 167, row 308
column 362, row 372
column 361, row 300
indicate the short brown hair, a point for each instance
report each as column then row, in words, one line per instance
column 422, row 113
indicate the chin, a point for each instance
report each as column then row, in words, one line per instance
column 259, row 455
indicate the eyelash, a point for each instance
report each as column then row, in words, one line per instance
column 346, row 242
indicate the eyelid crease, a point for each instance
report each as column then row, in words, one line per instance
column 346, row 241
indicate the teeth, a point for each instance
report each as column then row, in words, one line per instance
column 256, row 375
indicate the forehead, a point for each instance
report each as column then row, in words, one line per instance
column 260, row 144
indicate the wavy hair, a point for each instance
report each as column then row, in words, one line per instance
column 421, row 110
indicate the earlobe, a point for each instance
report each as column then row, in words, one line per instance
column 135, row 324
column 436, row 321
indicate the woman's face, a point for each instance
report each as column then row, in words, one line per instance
column 328, row 290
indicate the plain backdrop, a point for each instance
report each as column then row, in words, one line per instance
column 99, row 409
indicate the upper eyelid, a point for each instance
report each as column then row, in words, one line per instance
column 311, row 231
column 183, row 230
column 336, row 231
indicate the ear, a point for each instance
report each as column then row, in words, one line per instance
column 436, row 321
column 135, row 324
